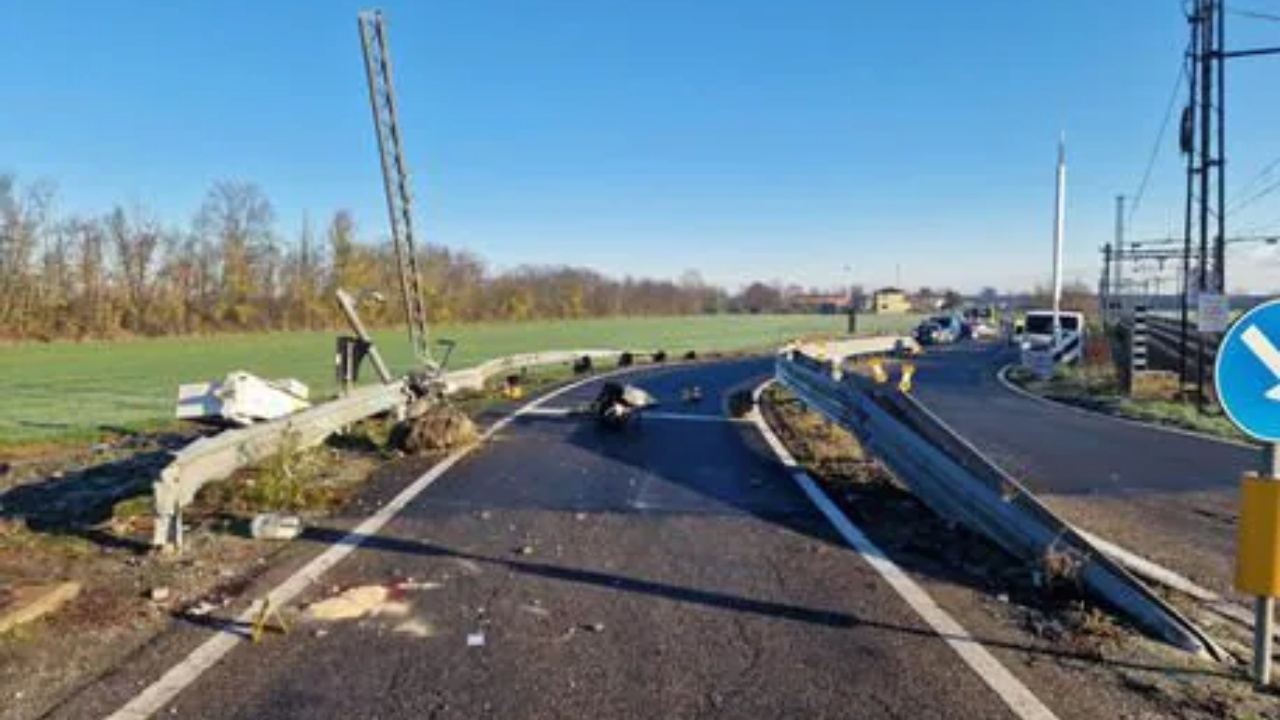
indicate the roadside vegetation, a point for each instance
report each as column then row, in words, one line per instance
column 1096, row 385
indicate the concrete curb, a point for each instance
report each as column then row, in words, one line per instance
column 1002, row 377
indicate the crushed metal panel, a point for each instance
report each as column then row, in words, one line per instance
column 241, row 398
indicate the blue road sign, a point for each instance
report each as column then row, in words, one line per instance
column 1247, row 373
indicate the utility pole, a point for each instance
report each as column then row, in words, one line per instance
column 1118, row 287
column 1104, row 285
column 1059, row 222
column 1203, row 137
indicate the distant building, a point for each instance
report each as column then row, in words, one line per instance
column 890, row 300
column 819, row 303
column 927, row 301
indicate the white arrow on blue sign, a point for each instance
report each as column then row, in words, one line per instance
column 1247, row 373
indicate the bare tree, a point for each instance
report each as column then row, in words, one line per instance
column 238, row 218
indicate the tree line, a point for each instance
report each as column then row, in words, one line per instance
column 231, row 269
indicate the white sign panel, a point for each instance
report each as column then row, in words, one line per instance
column 1213, row 312
column 1039, row 362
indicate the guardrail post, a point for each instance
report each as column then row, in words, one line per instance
column 1257, row 564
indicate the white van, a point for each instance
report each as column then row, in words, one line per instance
column 1037, row 334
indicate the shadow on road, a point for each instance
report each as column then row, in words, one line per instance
column 706, row 598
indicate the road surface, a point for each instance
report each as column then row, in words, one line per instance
column 1170, row 497
column 673, row 570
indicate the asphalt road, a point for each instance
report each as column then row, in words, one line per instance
column 671, row 570
column 1171, row 497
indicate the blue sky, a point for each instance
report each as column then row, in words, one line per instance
column 744, row 138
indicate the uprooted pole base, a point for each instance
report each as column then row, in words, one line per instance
column 438, row 428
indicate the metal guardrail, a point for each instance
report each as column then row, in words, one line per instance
column 215, row 458
column 958, row 482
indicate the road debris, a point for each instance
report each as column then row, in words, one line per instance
column 415, row 627
column 358, row 602
column 475, row 640
column 411, row 585
column 275, row 526
column 201, row 609
column 31, row 602
column 535, row 608
column 160, row 594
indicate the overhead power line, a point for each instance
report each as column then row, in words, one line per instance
column 1159, row 143
column 1254, row 14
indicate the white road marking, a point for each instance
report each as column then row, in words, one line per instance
column 1257, row 341
column 1016, row 696
column 180, row 676
column 644, row 415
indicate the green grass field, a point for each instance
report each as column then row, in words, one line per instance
column 76, row 391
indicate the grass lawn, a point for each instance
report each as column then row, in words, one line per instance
column 66, row 391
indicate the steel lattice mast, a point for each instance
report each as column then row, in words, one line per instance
column 395, row 177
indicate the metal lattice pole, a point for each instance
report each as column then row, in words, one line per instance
column 395, row 177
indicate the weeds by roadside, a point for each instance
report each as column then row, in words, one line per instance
column 1097, row 387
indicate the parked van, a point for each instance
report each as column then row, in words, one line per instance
column 1037, row 334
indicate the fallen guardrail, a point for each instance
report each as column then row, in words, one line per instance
column 214, row 458
column 958, row 482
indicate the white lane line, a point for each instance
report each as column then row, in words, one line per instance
column 180, row 676
column 645, row 415
column 1016, row 696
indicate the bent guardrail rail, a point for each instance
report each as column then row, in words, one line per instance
column 958, row 482
column 214, row 458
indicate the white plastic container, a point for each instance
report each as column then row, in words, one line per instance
column 275, row 526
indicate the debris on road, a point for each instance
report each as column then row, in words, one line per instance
column 358, row 602
column 21, row 605
column 438, row 428
column 535, row 608
column 415, row 627
column 475, row 640
column 617, row 403
column 201, row 609
column 594, row 627
column 275, row 526
column 160, row 594
column 411, row 585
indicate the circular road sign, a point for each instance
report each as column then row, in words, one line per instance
column 1247, row 372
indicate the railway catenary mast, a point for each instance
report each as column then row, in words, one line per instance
column 395, row 177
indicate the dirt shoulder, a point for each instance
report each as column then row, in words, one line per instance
column 1074, row 655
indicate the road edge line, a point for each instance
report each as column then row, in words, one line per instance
column 1016, row 696
column 180, row 676
column 1001, row 376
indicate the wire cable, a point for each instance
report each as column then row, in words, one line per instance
column 1155, row 148
column 1253, row 14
